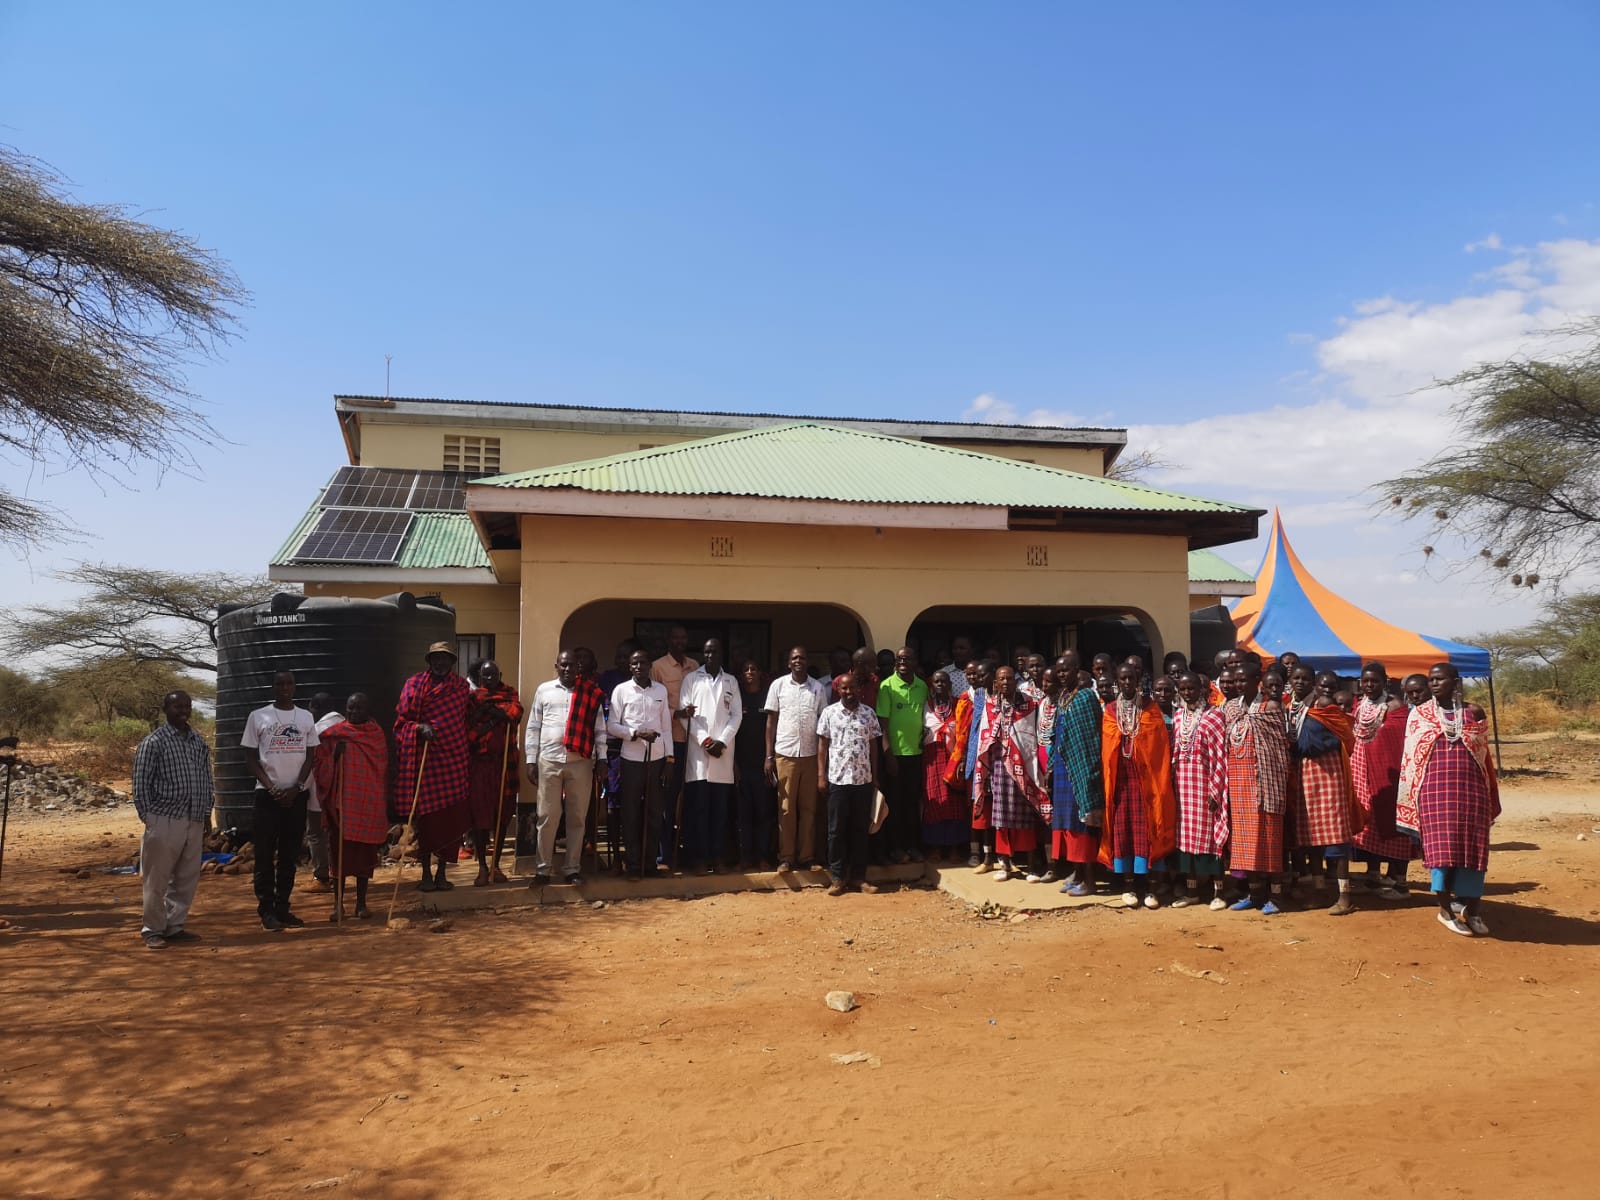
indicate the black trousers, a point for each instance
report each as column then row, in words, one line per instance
column 642, row 787
column 905, row 791
column 849, row 819
column 278, row 834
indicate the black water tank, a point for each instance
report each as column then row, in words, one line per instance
column 334, row 644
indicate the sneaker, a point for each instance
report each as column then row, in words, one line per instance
column 1150, row 900
column 181, row 936
column 974, row 861
column 1002, row 871
column 785, row 867
column 320, row 885
column 154, row 941
column 1130, row 899
column 1217, row 904
column 1033, row 877
column 816, row 866
column 1181, row 902
column 575, row 879
column 1245, row 904
column 1389, row 892
column 1079, row 889
column 271, row 924
column 836, row 888
column 983, row 866
column 1479, row 927
column 540, row 881
column 1270, row 909
column 1455, row 925
column 290, row 920
column 1048, row 877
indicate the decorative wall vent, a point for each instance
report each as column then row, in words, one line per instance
column 1038, row 556
column 722, row 547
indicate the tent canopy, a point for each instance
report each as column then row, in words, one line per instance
column 1292, row 611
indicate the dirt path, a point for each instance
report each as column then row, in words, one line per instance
column 683, row 1049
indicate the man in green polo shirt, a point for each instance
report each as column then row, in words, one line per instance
column 902, row 701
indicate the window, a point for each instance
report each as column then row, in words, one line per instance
column 472, row 455
column 472, row 649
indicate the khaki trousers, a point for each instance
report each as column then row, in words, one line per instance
column 563, row 786
column 797, row 808
column 169, row 860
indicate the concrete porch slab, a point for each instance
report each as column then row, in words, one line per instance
column 1014, row 895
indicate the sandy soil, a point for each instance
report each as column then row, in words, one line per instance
column 683, row 1049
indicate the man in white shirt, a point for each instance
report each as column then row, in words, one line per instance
column 278, row 743
column 793, row 705
column 326, row 717
column 641, row 720
column 847, row 773
column 956, row 668
column 566, row 735
column 670, row 670
column 710, row 702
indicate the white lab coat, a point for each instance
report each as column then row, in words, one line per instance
column 717, row 713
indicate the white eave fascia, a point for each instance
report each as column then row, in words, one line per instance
column 293, row 573
column 759, row 510
column 1220, row 587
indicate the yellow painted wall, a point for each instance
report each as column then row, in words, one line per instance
column 885, row 579
column 480, row 608
column 421, row 447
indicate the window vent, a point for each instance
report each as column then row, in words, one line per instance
column 471, row 455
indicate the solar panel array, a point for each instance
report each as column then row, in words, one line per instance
column 355, row 535
column 387, row 487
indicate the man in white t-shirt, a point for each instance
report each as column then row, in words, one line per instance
column 326, row 716
column 793, row 705
column 641, row 720
column 278, row 743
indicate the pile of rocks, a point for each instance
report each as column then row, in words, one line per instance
column 230, row 841
column 44, row 787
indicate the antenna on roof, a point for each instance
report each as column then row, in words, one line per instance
column 388, row 359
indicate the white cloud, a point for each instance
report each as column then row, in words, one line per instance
column 1492, row 242
column 992, row 410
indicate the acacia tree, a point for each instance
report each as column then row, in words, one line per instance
column 135, row 614
column 1522, row 485
column 99, row 312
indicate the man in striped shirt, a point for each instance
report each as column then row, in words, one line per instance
column 172, row 795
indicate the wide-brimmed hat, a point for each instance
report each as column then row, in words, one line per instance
column 439, row 648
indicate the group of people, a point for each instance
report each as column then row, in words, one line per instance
column 1254, row 783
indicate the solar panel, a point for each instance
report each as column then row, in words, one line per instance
column 355, row 536
column 390, row 487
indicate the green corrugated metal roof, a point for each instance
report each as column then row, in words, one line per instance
column 808, row 460
column 1206, row 566
column 435, row 540
column 442, row 540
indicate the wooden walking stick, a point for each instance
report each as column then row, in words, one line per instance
column 644, row 808
column 500, row 802
column 399, row 865
column 338, row 829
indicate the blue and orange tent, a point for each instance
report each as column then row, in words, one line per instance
column 1292, row 611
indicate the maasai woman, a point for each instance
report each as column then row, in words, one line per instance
column 493, row 758
column 1165, row 692
column 1141, row 808
column 1008, row 766
column 962, row 772
column 1258, row 777
column 1051, row 697
column 1380, row 728
column 432, row 713
column 946, row 814
column 1200, row 776
column 1077, row 791
column 1449, row 795
column 353, row 784
column 1326, row 817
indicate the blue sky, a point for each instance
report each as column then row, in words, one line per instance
column 1242, row 230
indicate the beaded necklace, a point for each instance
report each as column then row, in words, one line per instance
column 1369, row 718
column 1237, row 713
column 1128, row 713
column 1187, row 723
column 1451, row 722
column 1296, row 719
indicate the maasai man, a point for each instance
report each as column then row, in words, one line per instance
column 1101, row 666
column 1200, row 775
column 1258, row 781
column 1007, row 744
column 1326, row 818
column 432, row 712
column 961, row 774
column 353, row 782
column 1449, row 796
column 1077, row 789
column 1380, row 728
column 1141, row 807
column 493, row 764
column 946, row 816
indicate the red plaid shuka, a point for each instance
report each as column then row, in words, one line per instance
column 1375, row 772
column 1200, row 775
column 1448, row 790
column 493, row 754
column 1325, row 803
column 1258, row 758
column 355, row 790
column 441, row 703
column 581, row 712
